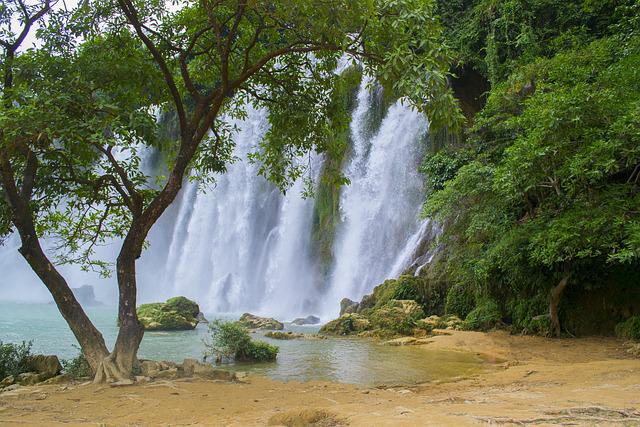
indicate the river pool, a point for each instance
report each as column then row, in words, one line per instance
column 354, row 361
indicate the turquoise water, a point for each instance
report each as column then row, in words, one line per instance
column 354, row 361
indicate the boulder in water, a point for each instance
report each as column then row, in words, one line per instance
column 309, row 320
column 176, row 314
column 279, row 335
column 201, row 319
column 255, row 322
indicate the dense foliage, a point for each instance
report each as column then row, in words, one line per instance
column 14, row 358
column 460, row 301
column 544, row 194
column 231, row 340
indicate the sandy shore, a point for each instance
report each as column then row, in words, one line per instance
column 528, row 380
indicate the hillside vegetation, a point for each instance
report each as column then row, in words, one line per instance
column 540, row 197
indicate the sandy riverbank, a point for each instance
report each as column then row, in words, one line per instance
column 527, row 380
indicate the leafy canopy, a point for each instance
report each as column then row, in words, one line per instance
column 554, row 183
column 82, row 107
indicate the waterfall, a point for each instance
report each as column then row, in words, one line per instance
column 380, row 209
column 240, row 245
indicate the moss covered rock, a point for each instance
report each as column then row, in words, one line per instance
column 177, row 314
column 182, row 305
column 408, row 287
column 251, row 321
column 347, row 324
column 436, row 322
column 348, row 306
column 280, row 335
column 396, row 317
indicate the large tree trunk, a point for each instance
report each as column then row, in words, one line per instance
column 119, row 364
column 554, row 304
column 89, row 338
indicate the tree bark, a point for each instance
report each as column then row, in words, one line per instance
column 89, row 338
column 118, row 365
column 554, row 302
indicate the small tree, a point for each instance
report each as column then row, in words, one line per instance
column 69, row 161
column 231, row 340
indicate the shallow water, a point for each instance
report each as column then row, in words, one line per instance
column 353, row 361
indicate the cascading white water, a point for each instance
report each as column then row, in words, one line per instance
column 380, row 209
column 243, row 246
column 239, row 246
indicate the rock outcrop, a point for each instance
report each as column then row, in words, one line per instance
column 347, row 324
column 280, row 335
column 348, row 306
column 176, row 314
column 251, row 321
column 39, row 368
column 309, row 320
column 152, row 370
column 85, row 295
column 395, row 307
column 46, row 366
column 436, row 322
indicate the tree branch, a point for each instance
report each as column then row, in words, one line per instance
column 132, row 15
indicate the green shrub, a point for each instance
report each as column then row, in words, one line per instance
column 385, row 292
column 629, row 329
column 529, row 316
column 460, row 301
column 78, row 367
column 231, row 340
column 407, row 287
column 260, row 351
column 485, row 316
column 13, row 358
column 540, row 325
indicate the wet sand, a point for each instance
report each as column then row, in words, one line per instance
column 527, row 380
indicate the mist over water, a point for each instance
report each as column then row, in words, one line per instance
column 243, row 246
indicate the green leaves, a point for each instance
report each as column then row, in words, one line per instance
column 87, row 101
column 554, row 182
